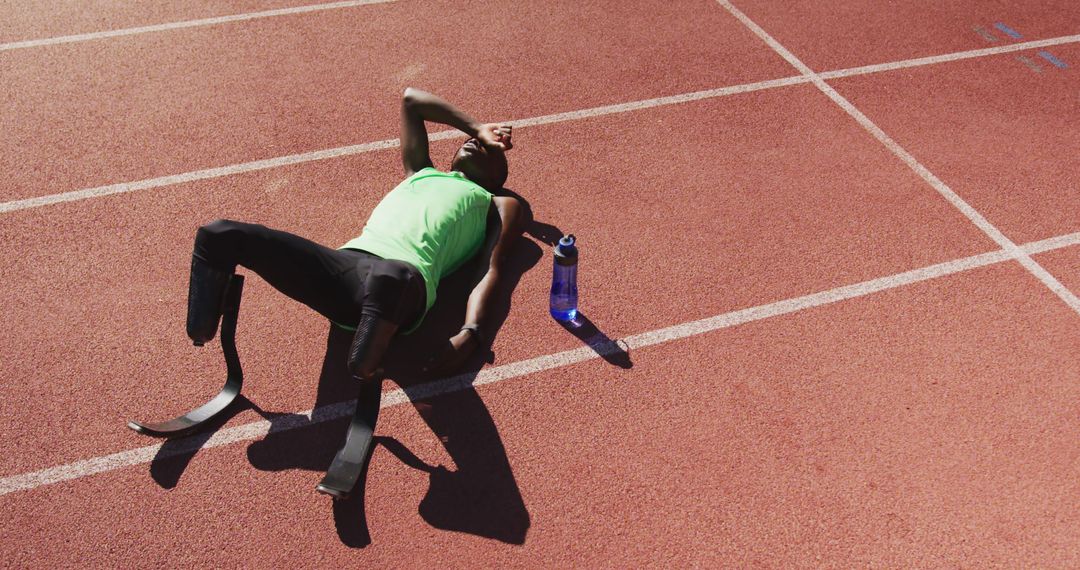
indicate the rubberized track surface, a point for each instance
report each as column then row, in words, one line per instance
column 835, row 315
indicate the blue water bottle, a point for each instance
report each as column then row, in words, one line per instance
column 564, row 281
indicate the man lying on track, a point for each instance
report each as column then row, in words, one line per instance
column 382, row 282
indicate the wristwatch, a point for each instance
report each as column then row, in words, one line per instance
column 475, row 330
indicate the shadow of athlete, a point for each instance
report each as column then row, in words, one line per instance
column 480, row 496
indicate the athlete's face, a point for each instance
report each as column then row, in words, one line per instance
column 483, row 165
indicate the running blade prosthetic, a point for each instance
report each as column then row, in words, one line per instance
column 198, row 417
column 350, row 462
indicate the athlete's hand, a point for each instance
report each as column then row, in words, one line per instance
column 453, row 354
column 496, row 135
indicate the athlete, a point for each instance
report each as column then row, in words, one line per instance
column 384, row 281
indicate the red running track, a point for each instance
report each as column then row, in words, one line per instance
column 101, row 112
column 930, row 424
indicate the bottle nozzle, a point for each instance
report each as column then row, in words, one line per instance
column 566, row 252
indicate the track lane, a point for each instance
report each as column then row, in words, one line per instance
column 828, row 35
column 33, row 20
column 83, row 115
column 782, row 204
column 337, row 152
column 1063, row 264
column 613, row 351
column 993, row 130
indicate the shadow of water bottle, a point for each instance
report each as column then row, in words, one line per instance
column 613, row 351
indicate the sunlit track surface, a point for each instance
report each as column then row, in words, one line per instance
column 517, row 370
column 970, row 213
column 833, row 310
column 90, row 36
column 262, row 164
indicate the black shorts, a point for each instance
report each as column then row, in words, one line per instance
column 340, row 284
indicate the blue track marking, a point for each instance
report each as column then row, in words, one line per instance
column 1050, row 57
column 1008, row 31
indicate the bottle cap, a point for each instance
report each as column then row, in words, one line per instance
column 566, row 253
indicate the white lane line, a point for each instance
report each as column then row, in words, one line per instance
column 194, row 175
column 660, row 101
column 943, row 189
column 301, row 158
column 1052, row 243
column 186, row 24
column 254, row 430
column 970, row 54
column 265, row 164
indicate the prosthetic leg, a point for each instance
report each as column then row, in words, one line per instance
column 230, row 309
column 352, row 458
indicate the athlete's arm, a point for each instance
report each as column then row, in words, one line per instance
column 506, row 222
column 418, row 106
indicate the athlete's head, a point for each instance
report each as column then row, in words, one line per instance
column 484, row 165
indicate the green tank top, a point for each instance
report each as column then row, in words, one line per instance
column 433, row 220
